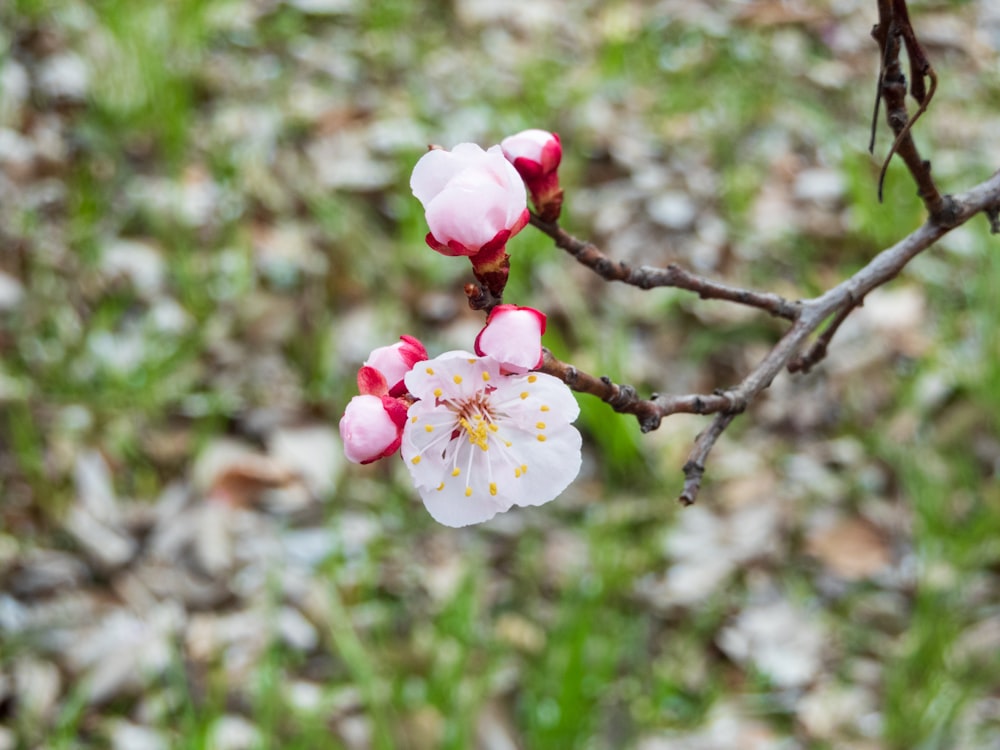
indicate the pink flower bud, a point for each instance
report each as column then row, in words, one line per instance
column 535, row 155
column 372, row 428
column 513, row 337
column 393, row 362
column 473, row 200
column 533, row 152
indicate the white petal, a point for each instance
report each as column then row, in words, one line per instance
column 427, row 452
column 552, row 465
column 526, row 397
column 451, row 507
column 437, row 167
column 441, row 372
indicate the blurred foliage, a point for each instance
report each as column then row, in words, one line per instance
column 594, row 666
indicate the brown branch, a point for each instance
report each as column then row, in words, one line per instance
column 838, row 302
column 672, row 275
column 993, row 215
column 481, row 298
column 817, row 352
column 694, row 467
column 893, row 31
column 880, row 33
column 624, row 399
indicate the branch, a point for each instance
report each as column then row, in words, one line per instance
column 648, row 277
column 811, row 313
column 894, row 30
column 817, row 352
column 624, row 399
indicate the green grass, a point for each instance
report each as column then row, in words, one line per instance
column 598, row 666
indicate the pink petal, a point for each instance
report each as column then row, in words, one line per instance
column 513, row 336
column 367, row 430
column 470, row 211
column 469, row 195
column 533, row 152
column 394, row 362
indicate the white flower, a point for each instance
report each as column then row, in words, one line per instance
column 478, row 442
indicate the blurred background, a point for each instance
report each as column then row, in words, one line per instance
column 205, row 227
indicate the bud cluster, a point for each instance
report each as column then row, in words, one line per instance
column 479, row 433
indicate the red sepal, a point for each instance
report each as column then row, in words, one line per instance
column 371, row 382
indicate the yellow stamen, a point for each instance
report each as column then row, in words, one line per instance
column 539, row 425
column 486, row 376
column 493, row 488
column 541, row 438
column 413, row 420
column 456, row 471
column 476, row 432
column 468, row 491
column 532, row 378
column 441, row 486
column 544, row 407
column 457, row 379
column 437, row 393
column 429, row 370
column 524, row 395
column 415, row 460
column 429, row 428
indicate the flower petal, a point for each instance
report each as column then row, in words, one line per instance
column 513, row 335
column 393, row 362
column 368, row 431
column 469, row 196
column 458, row 375
column 470, row 210
column 437, row 167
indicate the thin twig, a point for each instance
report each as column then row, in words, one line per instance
column 893, row 27
column 694, row 467
column 817, row 352
column 903, row 134
column 880, row 33
column 672, row 275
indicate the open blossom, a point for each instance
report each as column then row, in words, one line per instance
column 513, row 336
column 478, row 442
column 372, row 427
column 396, row 360
column 474, row 200
column 535, row 155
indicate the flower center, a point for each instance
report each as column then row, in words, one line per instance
column 476, row 431
column 475, row 417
